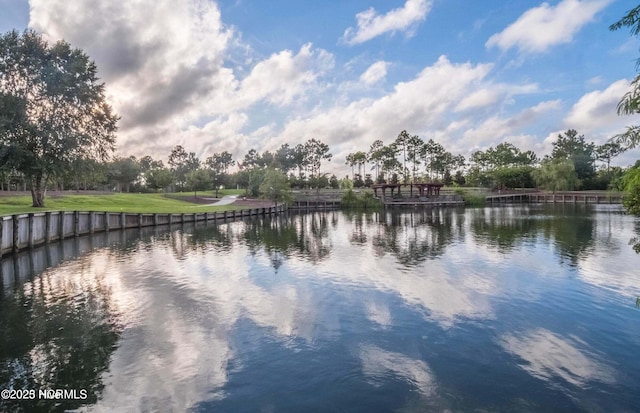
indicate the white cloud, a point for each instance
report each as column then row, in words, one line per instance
column 545, row 26
column 283, row 76
column 374, row 73
column 402, row 19
column 499, row 129
column 429, row 105
column 164, row 78
column 477, row 99
column 597, row 109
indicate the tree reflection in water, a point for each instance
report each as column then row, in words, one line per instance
column 415, row 236
column 57, row 332
column 570, row 227
column 635, row 241
column 305, row 235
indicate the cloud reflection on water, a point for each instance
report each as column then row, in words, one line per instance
column 176, row 352
column 378, row 365
column 550, row 357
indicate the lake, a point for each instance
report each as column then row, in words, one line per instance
column 517, row 308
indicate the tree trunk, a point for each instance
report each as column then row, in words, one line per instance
column 38, row 187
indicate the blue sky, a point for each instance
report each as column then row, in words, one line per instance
column 240, row 74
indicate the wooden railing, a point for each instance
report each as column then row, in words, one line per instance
column 18, row 232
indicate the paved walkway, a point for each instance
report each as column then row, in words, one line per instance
column 226, row 200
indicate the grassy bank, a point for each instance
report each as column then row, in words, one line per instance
column 362, row 200
column 135, row 203
column 209, row 193
column 472, row 198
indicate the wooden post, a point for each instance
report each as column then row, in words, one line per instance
column 16, row 227
column 92, row 216
column 1, row 224
column 182, row 218
column 106, row 222
column 61, row 218
column 30, row 231
column 123, row 220
column 206, row 216
column 76, row 223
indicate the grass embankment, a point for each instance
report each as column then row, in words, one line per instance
column 472, row 198
column 359, row 200
column 135, row 203
column 209, row 193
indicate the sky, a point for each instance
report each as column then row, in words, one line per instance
column 240, row 74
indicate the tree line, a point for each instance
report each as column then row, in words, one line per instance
column 572, row 165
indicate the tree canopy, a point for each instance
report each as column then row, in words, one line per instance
column 53, row 109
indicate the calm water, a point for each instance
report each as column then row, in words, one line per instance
column 526, row 308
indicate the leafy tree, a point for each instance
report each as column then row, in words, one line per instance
column 285, row 158
column 182, row 163
column 219, row 163
column 608, row 151
column 631, row 184
column 251, row 159
column 351, row 161
column 300, row 158
column 316, row 152
column 389, row 161
column 85, row 174
column 159, row 178
column 414, row 143
column 431, row 154
column 123, row 172
column 198, row 180
column 447, row 179
column 256, row 176
column 556, row 175
column 275, row 186
column 481, row 160
column 367, row 180
column 375, row 155
column 267, row 159
column 357, row 181
column 52, row 109
column 346, row 183
column 361, row 160
column 573, row 147
column 401, row 143
column 147, row 163
column 476, row 176
column 513, row 177
column 333, row 182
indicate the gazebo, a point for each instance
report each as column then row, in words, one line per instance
column 431, row 189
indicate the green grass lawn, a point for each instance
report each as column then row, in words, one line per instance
column 136, row 203
column 211, row 193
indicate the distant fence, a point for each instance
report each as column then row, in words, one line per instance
column 23, row 231
column 322, row 204
column 568, row 197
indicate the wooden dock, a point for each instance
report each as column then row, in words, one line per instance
column 318, row 204
column 430, row 201
column 568, row 197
